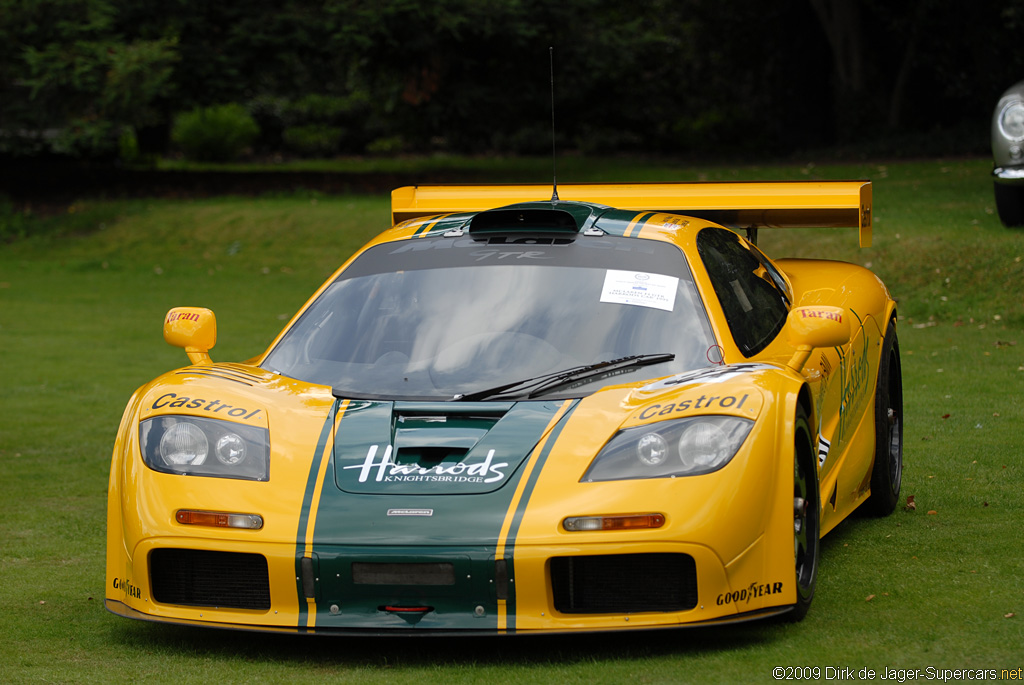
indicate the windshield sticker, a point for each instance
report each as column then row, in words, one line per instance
column 640, row 289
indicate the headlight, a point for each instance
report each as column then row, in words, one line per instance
column 183, row 444
column 685, row 447
column 190, row 445
column 1011, row 121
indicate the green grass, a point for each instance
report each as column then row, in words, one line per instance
column 81, row 303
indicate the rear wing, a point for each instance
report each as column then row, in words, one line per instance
column 777, row 204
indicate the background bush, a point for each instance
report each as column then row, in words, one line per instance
column 14, row 223
column 314, row 140
column 215, row 134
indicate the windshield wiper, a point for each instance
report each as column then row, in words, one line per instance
column 532, row 387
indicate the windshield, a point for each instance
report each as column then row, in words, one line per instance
column 439, row 318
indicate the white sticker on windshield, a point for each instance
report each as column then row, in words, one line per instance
column 640, row 289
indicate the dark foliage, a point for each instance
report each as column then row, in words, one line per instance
column 744, row 78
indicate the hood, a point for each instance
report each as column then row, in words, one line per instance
column 435, row 448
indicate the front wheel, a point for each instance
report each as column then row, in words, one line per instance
column 806, row 517
column 887, row 472
column 1010, row 204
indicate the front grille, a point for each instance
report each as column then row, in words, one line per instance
column 210, row 579
column 624, row 583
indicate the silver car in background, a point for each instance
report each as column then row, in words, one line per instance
column 1008, row 155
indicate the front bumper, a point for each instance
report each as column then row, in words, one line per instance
column 1013, row 176
column 348, row 590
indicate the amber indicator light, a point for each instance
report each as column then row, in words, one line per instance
column 218, row 519
column 627, row 522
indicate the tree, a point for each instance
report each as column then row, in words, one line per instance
column 70, row 85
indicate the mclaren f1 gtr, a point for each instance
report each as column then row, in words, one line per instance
column 509, row 414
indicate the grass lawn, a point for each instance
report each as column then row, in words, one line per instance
column 81, row 305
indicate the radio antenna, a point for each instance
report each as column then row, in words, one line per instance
column 554, row 168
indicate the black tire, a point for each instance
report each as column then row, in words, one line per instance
column 887, row 471
column 1010, row 204
column 806, row 517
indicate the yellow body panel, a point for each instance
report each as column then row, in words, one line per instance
column 726, row 530
column 142, row 503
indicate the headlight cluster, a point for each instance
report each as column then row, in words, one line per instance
column 684, row 447
column 1011, row 121
column 191, row 445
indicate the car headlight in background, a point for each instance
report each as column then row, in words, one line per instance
column 1011, row 121
column 683, row 447
column 190, row 445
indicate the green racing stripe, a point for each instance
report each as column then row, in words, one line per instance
column 374, row 556
column 520, row 510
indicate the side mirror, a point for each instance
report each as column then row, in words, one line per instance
column 193, row 328
column 811, row 327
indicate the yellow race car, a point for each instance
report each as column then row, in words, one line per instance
column 513, row 414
